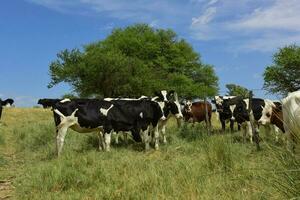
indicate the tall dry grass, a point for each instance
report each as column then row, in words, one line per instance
column 193, row 165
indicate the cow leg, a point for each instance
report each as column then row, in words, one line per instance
column 60, row 138
column 239, row 127
column 231, row 125
column 146, row 134
column 277, row 133
column 125, row 134
column 117, row 137
column 156, row 136
column 107, row 138
column 223, row 126
column 249, row 130
column 209, row 122
column 163, row 131
column 100, row 140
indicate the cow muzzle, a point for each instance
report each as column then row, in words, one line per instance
column 178, row 116
column 262, row 122
column 163, row 118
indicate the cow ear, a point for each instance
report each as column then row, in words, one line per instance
column 170, row 95
column 171, row 92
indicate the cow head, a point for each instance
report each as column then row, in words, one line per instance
column 240, row 112
column 8, row 102
column 169, row 103
column 174, row 107
column 165, row 95
column 267, row 112
column 188, row 106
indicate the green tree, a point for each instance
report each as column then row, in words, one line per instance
column 135, row 60
column 283, row 75
column 237, row 90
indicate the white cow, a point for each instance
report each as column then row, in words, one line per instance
column 291, row 117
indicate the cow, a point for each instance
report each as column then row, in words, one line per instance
column 224, row 110
column 5, row 103
column 8, row 103
column 169, row 104
column 291, row 118
column 136, row 116
column 89, row 115
column 48, row 103
column 171, row 108
column 272, row 114
column 196, row 112
column 82, row 116
column 242, row 117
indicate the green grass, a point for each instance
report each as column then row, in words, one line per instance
column 193, row 165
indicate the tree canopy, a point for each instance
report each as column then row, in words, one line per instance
column 136, row 60
column 237, row 90
column 283, row 75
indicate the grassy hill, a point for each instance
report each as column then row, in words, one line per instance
column 192, row 165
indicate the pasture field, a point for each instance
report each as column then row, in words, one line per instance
column 192, row 165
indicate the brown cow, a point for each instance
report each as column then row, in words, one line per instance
column 196, row 112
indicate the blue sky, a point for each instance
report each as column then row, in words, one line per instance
column 237, row 37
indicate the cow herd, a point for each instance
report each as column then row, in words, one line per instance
column 146, row 117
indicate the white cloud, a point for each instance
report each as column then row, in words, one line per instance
column 205, row 18
column 251, row 25
column 282, row 15
column 211, row 2
column 263, row 27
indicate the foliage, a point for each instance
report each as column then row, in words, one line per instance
column 69, row 96
column 135, row 60
column 283, row 75
column 237, row 90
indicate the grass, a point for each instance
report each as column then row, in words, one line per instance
column 193, row 165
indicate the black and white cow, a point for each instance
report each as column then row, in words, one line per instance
column 171, row 108
column 89, row 115
column 137, row 116
column 48, row 103
column 82, row 116
column 224, row 110
column 241, row 116
column 169, row 104
column 8, row 103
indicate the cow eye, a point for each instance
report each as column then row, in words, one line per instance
column 268, row 114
